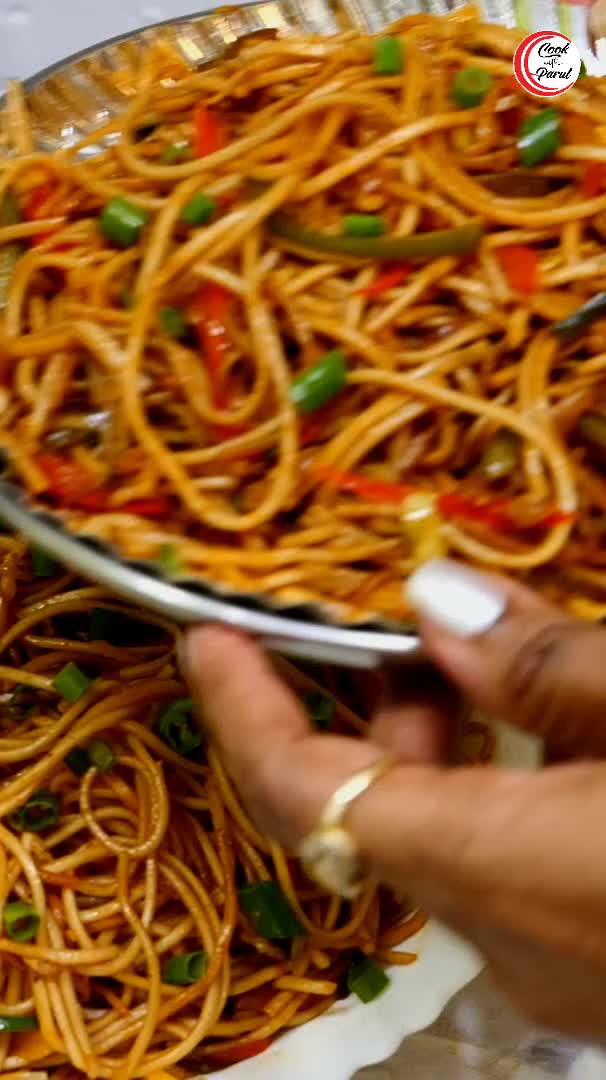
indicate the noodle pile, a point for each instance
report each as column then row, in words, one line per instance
column 145, row 858
column 151, row 375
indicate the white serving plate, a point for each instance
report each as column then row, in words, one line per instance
column 35, row 34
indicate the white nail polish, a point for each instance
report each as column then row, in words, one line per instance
column 460, row 599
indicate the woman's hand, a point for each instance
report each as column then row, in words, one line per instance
column 515, row 861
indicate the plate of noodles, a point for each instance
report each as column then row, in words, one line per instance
column 148, row 929
column 289, row 307
column 213, row 416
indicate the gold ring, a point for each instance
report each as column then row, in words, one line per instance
column 329, row 853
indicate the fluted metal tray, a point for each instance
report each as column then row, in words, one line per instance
column 71, row 99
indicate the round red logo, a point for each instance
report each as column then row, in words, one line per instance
column 546, row 63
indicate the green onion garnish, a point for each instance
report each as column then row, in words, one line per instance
column 321, row 709
column 318, row 384
column 77, row 761
column 387, row 56
column 168, row 561
column 174, row 153
column 18, row 1023
column 185, row 969
column 21, row 921
column 269, row 911
column 175, row 726
column 122, row 222
column 366, row 979
column 42, row 564
column 470, row 86
column 199, row 210
column 37, row 814
column 101, row 755
column 539, row 137
column 172, row 322
column 363, row 225
column 583, row 70
column 71, row 682
column 21, row 702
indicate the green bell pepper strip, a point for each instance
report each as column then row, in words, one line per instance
column 539, row 137
column 458, row 241
column 572, row 327
column 363, row 225
column 318, row 384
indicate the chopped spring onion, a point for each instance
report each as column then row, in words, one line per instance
column 501, row 455
column 21, row 702
column 269, row 911
column 42, row 564
column 175, row 727
column 387, row 56
column 37, row 814
column 470, row 86
column 168, row 561
column 71, row 682
column 321, row 708
column 101, row 755
column 199, row 209
column 539, row 137
column 21, row 921
column 172, row 322
column 122, row 222
column 174, row 153
column 363, row 225
column 366, row 979
column 185, row 969
column 77, row 761
column 583, row 70
column 18, row 1023
column 318, row 384
column 572, row 327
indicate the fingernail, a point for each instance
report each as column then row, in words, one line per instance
column 457, row 598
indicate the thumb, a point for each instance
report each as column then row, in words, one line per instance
column 537, row 667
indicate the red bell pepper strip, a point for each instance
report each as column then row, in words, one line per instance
column 208, row 311
column 36, row 208
column 386, row 281
column 521, row 266
column 155, row 507
column 450, row 504
column 379, row 491
column 594, row 179
column 232, row 1054
column 71, row 484
column 209, row 131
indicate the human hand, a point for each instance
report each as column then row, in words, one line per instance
column 514, row 861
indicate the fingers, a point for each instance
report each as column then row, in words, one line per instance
column 284, row 771
column 417, row 716
column 536, row 668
